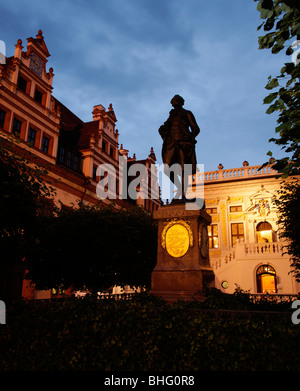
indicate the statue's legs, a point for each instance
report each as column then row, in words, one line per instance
column 175, row 172
column 180, row 155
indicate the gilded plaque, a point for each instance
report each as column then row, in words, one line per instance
column 177, row 237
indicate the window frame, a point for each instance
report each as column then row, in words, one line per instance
column 41, row 98
column 238, row 235
column 235, row 208
column 20, row 87
column 45, row 137
column 31, row 129
column 2, row 119
column 7, row 117
column 112, row 152
column 94, row 173
column 213, row 239
column 16, row 132
column 262, row 271
column 69, row 159
column 61, row 154
column 75, row 162
column 213, row 210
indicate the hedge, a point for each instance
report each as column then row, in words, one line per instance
column 142, row 335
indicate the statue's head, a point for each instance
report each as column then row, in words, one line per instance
column 177, row 101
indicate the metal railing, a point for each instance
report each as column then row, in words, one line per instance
column 272, row 297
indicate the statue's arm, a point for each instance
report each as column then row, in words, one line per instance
column 164, row 129
column 193, row 124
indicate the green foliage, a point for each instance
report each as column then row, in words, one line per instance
column 86, row 248
column 282, row 22
column 85, row 334
column 288, row 205
column 22, row 193
column 238, row 301
column 94, row 248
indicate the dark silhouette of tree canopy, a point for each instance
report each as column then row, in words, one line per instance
column 22, row 194
column 23, row 191
column 282, row 24
column 94, row 248
column 288, row 205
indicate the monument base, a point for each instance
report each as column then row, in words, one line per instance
column 183, row 269
column 174, row 285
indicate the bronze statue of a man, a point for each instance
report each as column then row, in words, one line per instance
column 179, row 143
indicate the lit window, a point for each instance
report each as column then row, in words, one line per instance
column 264, row 232
column 237, row 232
column 237, row 208
column 211, row 210
column 58, row 291
column 266, row 279
column 213, row 240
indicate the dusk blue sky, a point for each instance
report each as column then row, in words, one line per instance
column 137, row 54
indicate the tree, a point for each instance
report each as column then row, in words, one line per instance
column 288, row 206
column 282, row 24
column 282, row 21
column 22, row 204
column 94, row 248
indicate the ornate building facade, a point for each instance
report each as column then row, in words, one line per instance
column 245, row 248
column 70, row 149
column 246, row 251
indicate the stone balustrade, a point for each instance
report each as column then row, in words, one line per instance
column 233, row 173
column 263, row 248
column 242, row 250
column 257, row 250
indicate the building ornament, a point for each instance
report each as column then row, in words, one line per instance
column 177, row 237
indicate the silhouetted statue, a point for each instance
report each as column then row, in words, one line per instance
column 179, row 143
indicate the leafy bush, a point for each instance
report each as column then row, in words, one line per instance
column 142, row 334
column 95, row 248
column 240, row 300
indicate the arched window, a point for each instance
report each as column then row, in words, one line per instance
column 264, row 232
column 266, row 279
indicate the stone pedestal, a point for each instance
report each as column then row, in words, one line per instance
column 183, row 267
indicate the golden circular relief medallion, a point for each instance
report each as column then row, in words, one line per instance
column 177, row 240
